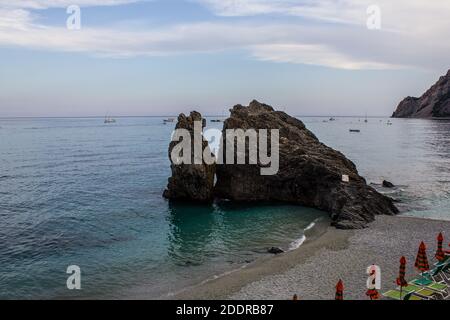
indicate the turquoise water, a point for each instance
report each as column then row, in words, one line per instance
column 78, row 192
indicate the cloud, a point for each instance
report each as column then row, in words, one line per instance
column 336, row 11
column 16, row 19
column 45, row 4
column 398, row 13
column 413, row 41
column 426, row 19
column 315, row 55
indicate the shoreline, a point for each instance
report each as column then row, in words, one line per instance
column 312, row 270
column 223, row 286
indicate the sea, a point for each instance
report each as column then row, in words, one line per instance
column 79, row 192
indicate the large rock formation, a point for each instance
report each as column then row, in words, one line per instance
column 310, row 173
column 435, row 103
column 190, row 182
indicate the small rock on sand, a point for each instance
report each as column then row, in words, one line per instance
column 275, row 250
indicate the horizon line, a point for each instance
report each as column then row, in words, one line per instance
column 175, row 116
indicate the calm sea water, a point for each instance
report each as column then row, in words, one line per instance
column 78, row 192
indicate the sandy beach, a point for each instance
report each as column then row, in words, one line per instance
column 313, row 270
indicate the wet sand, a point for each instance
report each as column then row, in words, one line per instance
column 313, row 270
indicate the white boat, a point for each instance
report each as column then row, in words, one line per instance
column 168, row 120
column 110, row 120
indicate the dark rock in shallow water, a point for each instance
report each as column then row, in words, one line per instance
column 190, row 182
column 433, row 103
column 310, row 173
column 388, row 184
column 275, row 250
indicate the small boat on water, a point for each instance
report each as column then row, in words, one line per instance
column 168, row 120
column 216, row 120
column 355, row 130
column 110, row 120
column 332, row 119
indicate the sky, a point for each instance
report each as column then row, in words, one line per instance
column 163, row 57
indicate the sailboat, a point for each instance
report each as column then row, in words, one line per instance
column 109, row 120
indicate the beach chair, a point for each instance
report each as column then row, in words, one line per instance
column 412, row 292
column 411, row 287
column 446, row 277
column 427, row 288
column 395, row 295
column 422, row 281
column 416, row 298
column 440, row 289
column 444, row 263
column 428, row 294
column 439, row 274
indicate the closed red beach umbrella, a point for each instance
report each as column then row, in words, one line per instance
column 440, row 254
column 401, row 275
column 340, row 290
column 422, row 259
column 373, row 294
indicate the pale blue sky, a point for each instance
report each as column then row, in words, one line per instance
column 166, row 57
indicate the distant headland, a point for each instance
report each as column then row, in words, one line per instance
column 435, row 103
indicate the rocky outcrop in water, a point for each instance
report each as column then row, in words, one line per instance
column 435, row 103
column 388, row 184
column 310, row 173
column 190, row 182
